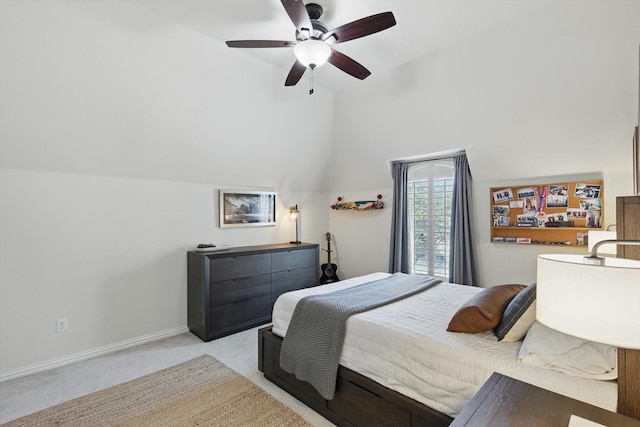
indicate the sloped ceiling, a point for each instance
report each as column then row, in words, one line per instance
column 422, row 26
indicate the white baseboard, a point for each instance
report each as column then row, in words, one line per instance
column 88, row 354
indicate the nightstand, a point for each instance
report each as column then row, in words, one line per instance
column 506, row 402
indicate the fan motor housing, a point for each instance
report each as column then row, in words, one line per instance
column 319, row 29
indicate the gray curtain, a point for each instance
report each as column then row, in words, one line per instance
column 399, row 251
column 463, row 268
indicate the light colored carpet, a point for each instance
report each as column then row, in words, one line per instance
column 199, row 392
column 28, row 394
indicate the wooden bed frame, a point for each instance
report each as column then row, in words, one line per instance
column 358, row 400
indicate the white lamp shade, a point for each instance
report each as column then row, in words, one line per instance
column 312, row 53
column 592, row 302
column 596, row 236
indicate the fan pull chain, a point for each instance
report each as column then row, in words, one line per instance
column 311, row 82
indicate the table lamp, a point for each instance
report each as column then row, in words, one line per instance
column 596, row 299
column 293, row 217
column 597, row 236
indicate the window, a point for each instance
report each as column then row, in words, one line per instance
column 430, row 193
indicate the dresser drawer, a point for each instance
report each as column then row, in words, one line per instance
column 235, row 290
column 286, row 260
column 239, row 266
column 223, row 316
column 290, row 280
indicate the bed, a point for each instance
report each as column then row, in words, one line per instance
column 400, row 360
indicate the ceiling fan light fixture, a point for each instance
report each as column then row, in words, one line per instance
column 312, row 53
column 313, row 42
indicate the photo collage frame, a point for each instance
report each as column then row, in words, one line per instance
column 547, row 213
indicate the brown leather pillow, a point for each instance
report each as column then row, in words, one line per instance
column 484, row 311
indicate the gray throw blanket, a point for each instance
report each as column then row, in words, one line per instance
column 313, row 344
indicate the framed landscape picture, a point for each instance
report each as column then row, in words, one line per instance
column 247, row 208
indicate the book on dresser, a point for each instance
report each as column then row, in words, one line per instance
column 233, row 290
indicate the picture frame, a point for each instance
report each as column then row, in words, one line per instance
column 588, row 191
column 247, row 208
column 500, row 210
column 504, row 221
column 525, row 192
column 503, row 195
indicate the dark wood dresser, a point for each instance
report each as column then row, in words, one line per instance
column 628, row 228
column 235, row 289
column 628, row 225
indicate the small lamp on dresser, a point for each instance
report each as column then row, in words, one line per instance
column 293, row 217
column 597, row 299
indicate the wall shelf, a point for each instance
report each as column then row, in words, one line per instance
column 548, row 228
column 359, row 205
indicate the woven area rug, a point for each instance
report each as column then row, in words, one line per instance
column 200, row 392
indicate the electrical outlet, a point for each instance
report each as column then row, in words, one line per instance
column 62, row 325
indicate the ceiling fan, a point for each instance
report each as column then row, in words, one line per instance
column 313, row 45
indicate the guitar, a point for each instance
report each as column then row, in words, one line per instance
column 329, row 270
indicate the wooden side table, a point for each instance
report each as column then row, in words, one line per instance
column 506, row 402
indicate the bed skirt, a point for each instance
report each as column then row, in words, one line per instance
column 358, row 400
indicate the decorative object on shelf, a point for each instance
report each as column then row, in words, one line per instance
column 329, row 274
column 360, row 205
column 582, row 238
column 247, row 208
column 609, row 287
column 293, row 217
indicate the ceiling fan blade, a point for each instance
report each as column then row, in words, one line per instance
column 260, row 43
column 361, row 27
column 298, row 14
column 295, row 74
column 348, row 65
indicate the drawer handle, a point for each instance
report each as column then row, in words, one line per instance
column 363, row 389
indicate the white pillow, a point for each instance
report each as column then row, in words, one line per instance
column 548, row 348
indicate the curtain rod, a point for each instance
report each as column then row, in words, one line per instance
column 429, row 157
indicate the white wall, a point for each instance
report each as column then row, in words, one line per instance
column 360, row 239
column 552, row 94
column 117, row 128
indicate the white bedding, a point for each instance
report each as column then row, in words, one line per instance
column 405, row 346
